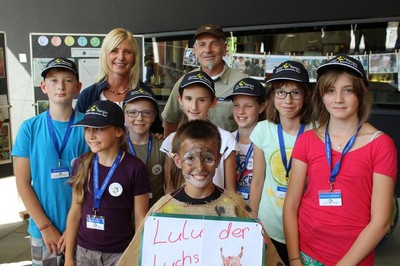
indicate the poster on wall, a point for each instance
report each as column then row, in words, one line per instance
column 83, row 49
column 5, row 144
column 169, row 239
column 189, row 58
column 250, row 64
column 384, row 69
column 311, row 63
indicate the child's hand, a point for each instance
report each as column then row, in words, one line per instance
column 61, row 243
column 50, row 237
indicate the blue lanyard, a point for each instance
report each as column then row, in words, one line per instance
column 66, row 136
column 243, row 166
column 132, row 148
column 328, row 151
column 287, row 165
column 98, row 194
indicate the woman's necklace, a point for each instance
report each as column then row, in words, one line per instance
column 117, row 92
column 339, row 142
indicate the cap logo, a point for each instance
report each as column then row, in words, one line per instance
column 344, row 60
column 61, row 61
column 208, row 28
column 94, row 110
column 288, row 66
column 244, row 85
column 201, row 77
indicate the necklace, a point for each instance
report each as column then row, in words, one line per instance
column 117, row 92
column 340, row 143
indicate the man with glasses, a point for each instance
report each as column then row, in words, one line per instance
column 210, row 47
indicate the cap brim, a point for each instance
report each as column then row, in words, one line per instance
column 141, row 97
column 89, row 123
column 197, row 82
column 229, row 97
column 44, row 73
column 286, row 78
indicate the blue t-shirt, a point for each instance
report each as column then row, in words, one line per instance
column 34, row 142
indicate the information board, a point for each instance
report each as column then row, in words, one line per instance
column 201, row 240
column 83, row 49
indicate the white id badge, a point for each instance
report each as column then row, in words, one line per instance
column 281, row 192
column 61, row 172
column 330, row 198
column 95, row 222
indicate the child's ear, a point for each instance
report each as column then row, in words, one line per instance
column 43, row 87
column 177, row 160
column 215, row 101
column 78, row 87
column 119, row 132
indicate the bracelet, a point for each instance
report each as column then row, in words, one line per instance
column 297, row 258
column 45, row 226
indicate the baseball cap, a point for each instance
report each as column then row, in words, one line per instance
column 102, row 114
column 60, row 62
column 144, row 92
column 290, row 70
column 197, row 77
column 141, row 91
column 211, row 29
column 344, row 62
column 248, row 86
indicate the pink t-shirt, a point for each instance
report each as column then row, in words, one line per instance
column 327, row 233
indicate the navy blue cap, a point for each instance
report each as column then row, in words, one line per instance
column 197, row 77
column 248, row 86
column 344, row 62
column 102, row 114
column 290, row 70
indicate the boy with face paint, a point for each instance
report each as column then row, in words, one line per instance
column 195, row 148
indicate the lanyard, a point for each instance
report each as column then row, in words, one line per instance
column 132, row 148
column 243, row 166
column 287, row 165
column 66, row 136
column 98, row 193
column 328, row 151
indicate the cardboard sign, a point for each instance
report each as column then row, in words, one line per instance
column 178, row 240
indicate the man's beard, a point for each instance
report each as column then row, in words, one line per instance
column 209, row 65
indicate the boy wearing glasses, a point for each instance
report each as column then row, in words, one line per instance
column 141, row 111
column 288, row 101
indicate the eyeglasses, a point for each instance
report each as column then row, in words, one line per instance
column 295, row 95
column 135, row 113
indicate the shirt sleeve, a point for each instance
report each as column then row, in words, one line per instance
column 385, row 156
column 22, row 141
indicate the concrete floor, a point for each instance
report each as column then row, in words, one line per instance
column 15, row 246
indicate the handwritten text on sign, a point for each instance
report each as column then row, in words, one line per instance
column 194, row 240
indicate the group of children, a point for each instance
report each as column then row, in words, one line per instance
column 285, row 165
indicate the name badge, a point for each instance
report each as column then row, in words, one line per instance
column 281, row 192
column 330, row 198
column 62, row 172
column 95, row 222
